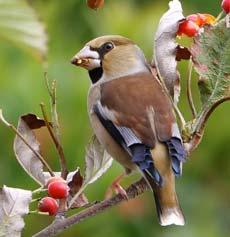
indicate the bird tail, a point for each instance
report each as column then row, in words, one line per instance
column 167, row 205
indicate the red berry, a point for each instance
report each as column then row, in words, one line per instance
column 54, row 179
column 188, row 28
column 201, row 19
column 48, row 204
column 95, row 4
column 226, row 6
column 58, row 190
column 196, row 18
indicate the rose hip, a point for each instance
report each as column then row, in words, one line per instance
column 58, row 190
column 48, row 204
column 188, row 28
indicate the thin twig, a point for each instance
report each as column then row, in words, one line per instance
column 60, row 225
column 59, row 148
column 54, row 110
column 35, row 200
column 218, row 18
column 64, row 172
column 39, row 190
column 56, row 143
column 38, row 213
column 42, row 105
column 47, row 84
column 189, row 90
column 55, row 126
column 38, row 155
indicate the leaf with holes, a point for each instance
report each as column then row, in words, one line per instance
column 28, row 160
column 20, row 24
column 211, row 56
column 165, row 47
column 14, row 204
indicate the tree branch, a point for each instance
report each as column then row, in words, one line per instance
column 60, row 225
column 199, row 126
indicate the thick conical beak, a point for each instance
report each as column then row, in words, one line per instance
column 77, row 61
column 87, row 58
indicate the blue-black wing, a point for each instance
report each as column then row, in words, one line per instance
column 139, row 152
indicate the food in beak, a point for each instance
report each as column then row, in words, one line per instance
column 79, row 61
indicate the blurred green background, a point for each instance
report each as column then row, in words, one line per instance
column 203, row 190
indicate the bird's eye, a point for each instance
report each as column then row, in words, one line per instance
column 108, row 46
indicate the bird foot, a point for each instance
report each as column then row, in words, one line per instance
column 117, row 188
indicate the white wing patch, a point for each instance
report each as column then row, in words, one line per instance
column 175, row 131
column 106, row 113
column 128, row 135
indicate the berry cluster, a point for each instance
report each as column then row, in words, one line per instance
column 191, row 25
column 57, row 189
column 95, row 4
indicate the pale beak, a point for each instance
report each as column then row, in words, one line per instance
column 87, row 58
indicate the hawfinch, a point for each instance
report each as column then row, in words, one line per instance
column 133, row 119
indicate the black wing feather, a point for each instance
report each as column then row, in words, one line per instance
column 177, row 153
column 139, row 152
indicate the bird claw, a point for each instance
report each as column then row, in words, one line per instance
column 117, row 188
column 120, row 190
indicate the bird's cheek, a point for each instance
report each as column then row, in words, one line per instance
column 92, row 64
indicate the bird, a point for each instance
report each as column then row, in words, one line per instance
column 132, row 116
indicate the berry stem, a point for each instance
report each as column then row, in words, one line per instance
column 39, row 213
column 189, row 90
column 35, row 200
column 39, row 190
column 218, row 18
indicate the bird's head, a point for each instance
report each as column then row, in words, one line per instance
column 110, row 57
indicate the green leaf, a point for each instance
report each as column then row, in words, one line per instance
column 20, row 24
column 211, row 56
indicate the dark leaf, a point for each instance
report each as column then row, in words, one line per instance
column 182, row 53
column 75, row 184
column 27, row 159
column 33, row 121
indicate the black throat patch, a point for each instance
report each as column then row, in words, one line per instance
column 96, row 74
